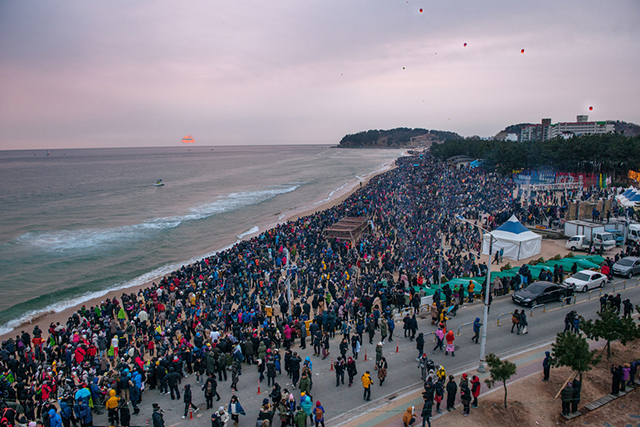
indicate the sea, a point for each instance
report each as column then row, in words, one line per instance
column 76, row 224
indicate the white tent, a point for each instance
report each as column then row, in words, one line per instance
column 517, row 241
column 629, row 198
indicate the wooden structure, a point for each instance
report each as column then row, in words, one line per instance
column 348, row 228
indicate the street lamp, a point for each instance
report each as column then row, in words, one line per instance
column 483, row 342
column 288, row 269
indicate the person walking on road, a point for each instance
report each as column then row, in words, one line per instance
column 210, row 388
column 379, row 352
column 439, row 340
column 319, row 414
column 367, row 383
column 382, row 369
column 391, row 326
column 515, row 321
column 157, row 417
column 420, row 344
column 235, row 409
column 523, row 323
column 568, row 320
column 355, row 345
column 351, row 370
column 476, row 330
column 187, row 398
column 383, row 329
column 340, row 367
column 450, row 346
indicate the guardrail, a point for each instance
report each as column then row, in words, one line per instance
column 503, row 314
column 544, row 309
column 406, row 311
column 575, row 298
column 596, row 290
column 460, row 327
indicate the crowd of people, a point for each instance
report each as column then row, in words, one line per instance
column 231, row 311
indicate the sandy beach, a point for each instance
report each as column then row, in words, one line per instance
column 46, row 319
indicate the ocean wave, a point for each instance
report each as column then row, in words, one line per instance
column 325, row 200
column 252, row 230
column 88, row 238
column 77, row 301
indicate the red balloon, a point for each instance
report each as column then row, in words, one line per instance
column 522, row 51
column 590, row 108
column 420, row 10
column 465, row 45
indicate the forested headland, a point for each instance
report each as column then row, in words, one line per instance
column 611, row 153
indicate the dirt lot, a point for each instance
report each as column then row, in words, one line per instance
column 532, row 402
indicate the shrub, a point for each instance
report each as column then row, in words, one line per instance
column 569, row 255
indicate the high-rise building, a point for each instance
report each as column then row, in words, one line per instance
column 546, row 130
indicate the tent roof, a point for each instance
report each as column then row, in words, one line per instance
column 513, row 226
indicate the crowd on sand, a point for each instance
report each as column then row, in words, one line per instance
column 231, row 311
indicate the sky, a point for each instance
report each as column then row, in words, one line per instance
column 121, row 73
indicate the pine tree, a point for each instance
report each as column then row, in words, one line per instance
column 572, row 350
column 610, row 327
column 501, row 370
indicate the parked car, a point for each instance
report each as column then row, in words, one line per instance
column 539, row 292
column 584, row 280
column 627, row 267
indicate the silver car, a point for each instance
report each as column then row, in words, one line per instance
column 627, row 267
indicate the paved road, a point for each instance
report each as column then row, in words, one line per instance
column 403, row 374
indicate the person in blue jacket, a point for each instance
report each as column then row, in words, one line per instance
column 476, row 330
column 83, row 413
column 391, row 326
column 96, row 396
column 54, row 418
column 66, row 412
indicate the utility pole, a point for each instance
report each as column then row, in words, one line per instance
column 288, row 271
column 483, row 338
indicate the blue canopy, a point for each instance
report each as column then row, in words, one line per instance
column 513, row 226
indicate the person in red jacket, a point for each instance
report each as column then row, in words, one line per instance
column 475, row 390
column 450, row 346
column 79, row 354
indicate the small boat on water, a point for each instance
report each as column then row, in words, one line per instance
column 159, row 183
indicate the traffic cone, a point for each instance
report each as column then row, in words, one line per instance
column 397, row 349
column 331, row 364
column 365, row 354
column 258, row 387
column 147, row 421
column 190, row 414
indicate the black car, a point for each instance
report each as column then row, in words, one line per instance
column 540, row 292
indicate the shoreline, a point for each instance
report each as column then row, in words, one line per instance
column 46, row 317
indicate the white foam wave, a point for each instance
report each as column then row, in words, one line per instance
column 326, row 199
column 65, row 240
column 88, row 296
column 252, row 230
